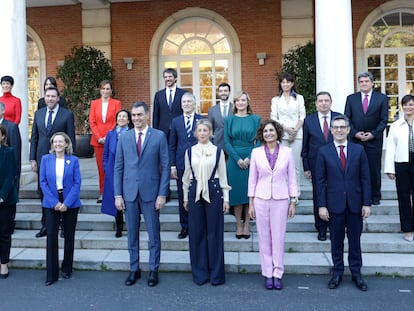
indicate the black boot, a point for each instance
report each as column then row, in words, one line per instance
column 119, row 221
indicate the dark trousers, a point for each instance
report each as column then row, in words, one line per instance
column 205, row 231
column 374, row 163
column 181, row 209
column 320, row 225
column 7, row 213
column 404, row 173
column 351, row 224
column 69, row 220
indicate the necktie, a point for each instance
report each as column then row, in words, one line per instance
column 325, row 128
column 342, row 156
column 49, row 121
column 170, row 100
column 365, row 104
column 139, row 144
column 224, row 111
column 188, row 126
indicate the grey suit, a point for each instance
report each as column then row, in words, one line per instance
column 139, row 180
column 217, row 120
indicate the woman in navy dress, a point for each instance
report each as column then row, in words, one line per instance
column 123, row 123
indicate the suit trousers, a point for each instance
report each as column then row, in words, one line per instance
column 320, row 224
column 296, row 147
column 352, row 224
column 271, row 221
column 7, row 213
column 205, row 231
column 69, row 220
column 404, row 173
column 181, row 209
column 99, row 163
column 133, row 211
column 374, row 163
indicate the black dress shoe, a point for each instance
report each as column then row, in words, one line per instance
column 153, row 278
column 376, row 202
column 360, row 283
column 41, row 233
column 66, row 275
column 48, row 283
column 334, row 282
column 132, row 277
column 118, row 234
column 4, row 276
column 322, row 235
column 183, row 233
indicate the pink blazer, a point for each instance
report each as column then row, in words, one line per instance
column 277, row 184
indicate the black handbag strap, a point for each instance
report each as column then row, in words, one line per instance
column 213, row 173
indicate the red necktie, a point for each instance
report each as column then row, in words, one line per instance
column 365, row 104
column 139, row 144
column 325, row 128
column 342, row 156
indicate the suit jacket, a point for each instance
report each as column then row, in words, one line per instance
column 217, row 120
column 71, row 181
column 40, row 139
column 8, row 189
column 162, row 115
column 179, row 142
column 337, row 189
column 147, row 176
column 100, row 128
column 14, row 140
column 374, row 121
column 279, row 183
column 313, row 139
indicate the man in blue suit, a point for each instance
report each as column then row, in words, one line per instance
column 167, row 102
column 315, row 135
column 182, row 138
column 343, row 193
column 367, row 111
column 141, row 180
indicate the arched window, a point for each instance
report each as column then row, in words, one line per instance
column 202, row 55
column 389, row 55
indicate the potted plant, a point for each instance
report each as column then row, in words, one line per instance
column 83, row 69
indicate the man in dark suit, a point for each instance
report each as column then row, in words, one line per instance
column 182, row 138
column 343, row 194
column 367, row 111
column 47, row 121
column 315, row 135
column 141, row 180
column 167, row 102
column 218, row 112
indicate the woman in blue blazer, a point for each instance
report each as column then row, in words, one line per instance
column 123, row 123
column 60, row 181
column 8, row 200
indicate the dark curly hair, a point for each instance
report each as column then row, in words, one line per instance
column 278, row 127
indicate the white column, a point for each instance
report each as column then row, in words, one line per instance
column 13, row 58
column 334, row 53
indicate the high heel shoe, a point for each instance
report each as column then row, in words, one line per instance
column 239, row 236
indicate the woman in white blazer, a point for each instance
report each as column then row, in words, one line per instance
column 272, row 195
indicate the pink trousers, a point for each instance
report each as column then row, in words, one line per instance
column 271, row 220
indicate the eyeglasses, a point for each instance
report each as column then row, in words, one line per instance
column 340, row 127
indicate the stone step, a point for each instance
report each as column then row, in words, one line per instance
column 236, row 262
column 305, row 207
column 295, row 242
column 170, row 222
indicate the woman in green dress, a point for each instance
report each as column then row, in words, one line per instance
column 239, row 139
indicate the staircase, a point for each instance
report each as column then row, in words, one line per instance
column 384, row 250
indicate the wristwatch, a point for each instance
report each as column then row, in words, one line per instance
column 293, row 200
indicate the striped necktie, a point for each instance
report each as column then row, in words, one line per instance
column 188, row 126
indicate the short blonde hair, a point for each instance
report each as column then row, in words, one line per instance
column 69, row 147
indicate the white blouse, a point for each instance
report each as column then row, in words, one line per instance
column 203, row 161
column 60, row 169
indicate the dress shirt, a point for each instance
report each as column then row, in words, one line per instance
column 191, row 119
column 203, row 160
column 397, row 145
column 224, row 106
column 321, row 118
column 363, row 96
column 167, row 93
column 104, row 110
column 345, row 144
column 143, row 135
column 55, row 111
column 60, row 168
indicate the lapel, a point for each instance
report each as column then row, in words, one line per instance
column 146, row 141
column 317, row 125
column 372, row 101
column 42, row 117
column 52, row 169
column 99, row 109
column 336, row 157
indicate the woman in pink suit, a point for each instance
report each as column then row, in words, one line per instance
column 102, row 119
column 272, row 195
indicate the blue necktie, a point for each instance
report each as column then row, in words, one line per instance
column 188, row 126
column 49, row 121
column 170, row 100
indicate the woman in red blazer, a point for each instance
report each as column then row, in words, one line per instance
column 13, row 112
column 102, row 119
